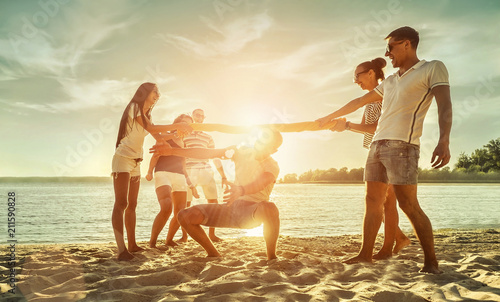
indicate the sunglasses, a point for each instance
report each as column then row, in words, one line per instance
column 389, row 47
column 356, row 76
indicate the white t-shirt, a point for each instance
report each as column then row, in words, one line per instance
column 131, row 145
column 406, row 101
column 248, row 169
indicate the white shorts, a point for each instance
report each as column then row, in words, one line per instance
column 203, row 177
column 174, row 180
column 122, row 164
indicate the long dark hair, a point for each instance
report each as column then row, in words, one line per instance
column 137, row 104
column 376, row 65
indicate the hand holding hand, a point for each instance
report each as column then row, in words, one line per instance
column 322, row 121
column 229, row 152
column 340, row 126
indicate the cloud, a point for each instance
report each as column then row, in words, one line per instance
column 110, row 94
column 59, row 47
column 317, row 64
column 234, row 36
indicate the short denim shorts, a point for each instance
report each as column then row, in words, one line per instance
column 392, row 161
column 122, row 164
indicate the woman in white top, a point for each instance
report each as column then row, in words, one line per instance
column 135, row 124
column 367, row 76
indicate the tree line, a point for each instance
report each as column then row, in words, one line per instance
column 482, row 165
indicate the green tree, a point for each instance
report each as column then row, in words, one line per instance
column 464, row 161
column 493, row 154
column 290, row 178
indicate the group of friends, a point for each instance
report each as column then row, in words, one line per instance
column 394, row 111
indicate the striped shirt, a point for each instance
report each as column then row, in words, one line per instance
column 372, row 114
column 198, row 139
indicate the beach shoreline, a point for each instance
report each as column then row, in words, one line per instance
column 308, row 269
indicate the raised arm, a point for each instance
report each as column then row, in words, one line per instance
column 359, row 128
column 200, row 153
column 154, row 130
column 441, row 155
column 352, row 106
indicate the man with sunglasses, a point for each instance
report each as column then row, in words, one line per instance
column 393, row 157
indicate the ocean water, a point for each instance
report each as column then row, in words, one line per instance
column 61, row 212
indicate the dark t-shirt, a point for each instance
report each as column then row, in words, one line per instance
column 170, row 163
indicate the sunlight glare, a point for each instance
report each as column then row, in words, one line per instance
column 255, row 232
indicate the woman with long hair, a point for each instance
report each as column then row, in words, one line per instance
column 135, row 124
column 171, row 185
column 367, row 75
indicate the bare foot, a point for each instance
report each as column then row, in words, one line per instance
column 272, row 257
column 215, row 255
column 382, row 255
column 171, row 243
column 357, row 259
column 135, row 248
column 215, row 238
column 401, row 244
column 431, row 269
column 183, row 240
column 125, row 256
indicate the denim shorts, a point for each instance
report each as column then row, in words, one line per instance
column 122, row 164
column 392, row 161
column 240, row 214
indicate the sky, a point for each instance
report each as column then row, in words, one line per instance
column 69, row 68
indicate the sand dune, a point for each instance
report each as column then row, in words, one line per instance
column 308, row 269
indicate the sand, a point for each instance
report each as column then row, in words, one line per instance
column 308, row 269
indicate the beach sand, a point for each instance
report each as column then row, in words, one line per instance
column 308, row 269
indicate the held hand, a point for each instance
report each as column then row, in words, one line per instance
column 229, row 152
column 233, row 192
column 149, row 176
column 441, row 155
column 195, row 192
column 162, row 149
column 322, row 121
column 340, row 126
